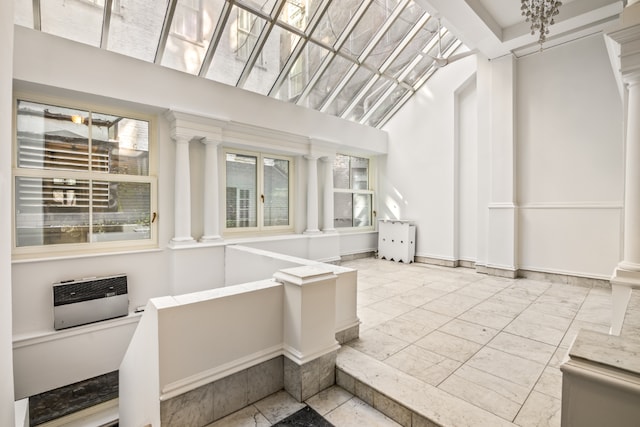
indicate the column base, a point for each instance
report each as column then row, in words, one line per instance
column 315, row 231
column 181, row 241
column 207, row 239
column 622, row 282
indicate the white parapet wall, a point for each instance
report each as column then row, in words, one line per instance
column 187, row 343
column 190, row 340
column 246, row 264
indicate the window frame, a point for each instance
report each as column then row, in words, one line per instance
column 260, row 228
column 89, row 247
column 369, row 191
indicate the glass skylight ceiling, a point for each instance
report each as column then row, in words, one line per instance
column 357, row 59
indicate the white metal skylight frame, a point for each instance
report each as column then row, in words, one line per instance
column 389, row 90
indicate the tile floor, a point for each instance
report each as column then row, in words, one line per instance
column 493, row 342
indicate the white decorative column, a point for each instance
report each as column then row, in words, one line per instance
column 627, row 273
column 211, row 206
column 327, row 218
column 182, row 196
column 312, row 195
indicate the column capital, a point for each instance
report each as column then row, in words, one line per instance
column 311, row 156
column 181, row 137
column 632, row 78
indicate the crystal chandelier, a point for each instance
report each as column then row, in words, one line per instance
column 540, row 13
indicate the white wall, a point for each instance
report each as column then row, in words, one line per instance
column 569, row 160
column 6, row 103
column 547, row 161
column 466, row 128
column 63, row 69
column 417, row 180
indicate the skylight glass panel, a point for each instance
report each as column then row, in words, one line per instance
column 373, row 19
column 327, row 82
column 426, row 35
column 275, row 53
column 298, row 13
column 335, row 20
column 425, row 63
column 345, row 95
column 368, row 100
column 264, row 6
column 135, row 30
column 301, row 72
column 78, row 21
column 23, row 13
column 385, row 106
column 191, row 30
column 396, row 33
column 238, row 41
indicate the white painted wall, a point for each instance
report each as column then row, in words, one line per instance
column 548, row 163
column 417, row 180
column 467, row 172
column 570, row 160
column 6, row 107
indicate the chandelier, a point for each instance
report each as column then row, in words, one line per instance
column 540, row 13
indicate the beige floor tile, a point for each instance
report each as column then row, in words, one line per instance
column 505, row 388
column 576, row 326
column 449, row 346
column 452, row 304
column 378, row 344
column 356, row 413
column 524, row 347
column 246, row 417
column 392, row 307
column 404, row 329
column 426, row 318
column 481, row 396
column 539, row 410
column 485, row 318
column 328, row 400
column 370, row 317
column 278, row 406
column 550, row 383
column 469, row 331
column 422, row 364
column 418, row 296
column 507, row 366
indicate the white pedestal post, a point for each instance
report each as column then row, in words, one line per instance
column 211, row 196
column 182, row 196
column 309, row 329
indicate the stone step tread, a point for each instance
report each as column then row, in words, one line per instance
column 418, row 397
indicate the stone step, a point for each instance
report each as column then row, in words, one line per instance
column 405, row 399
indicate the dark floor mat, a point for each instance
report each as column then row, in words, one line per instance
column 305, row 417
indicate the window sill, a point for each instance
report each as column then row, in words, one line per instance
column 34, row 338
column 27, row 258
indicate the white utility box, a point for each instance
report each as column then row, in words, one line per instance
column 396, row 240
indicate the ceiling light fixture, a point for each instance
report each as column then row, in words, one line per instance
column 540, row 13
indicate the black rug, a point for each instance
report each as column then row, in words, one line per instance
column 305, row 417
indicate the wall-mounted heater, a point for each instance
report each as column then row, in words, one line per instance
column 78, row 302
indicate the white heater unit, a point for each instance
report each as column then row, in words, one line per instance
column 78, row 302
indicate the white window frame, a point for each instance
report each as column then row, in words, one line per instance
column 260, row 228
column 90, row 247
column 368, row 191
